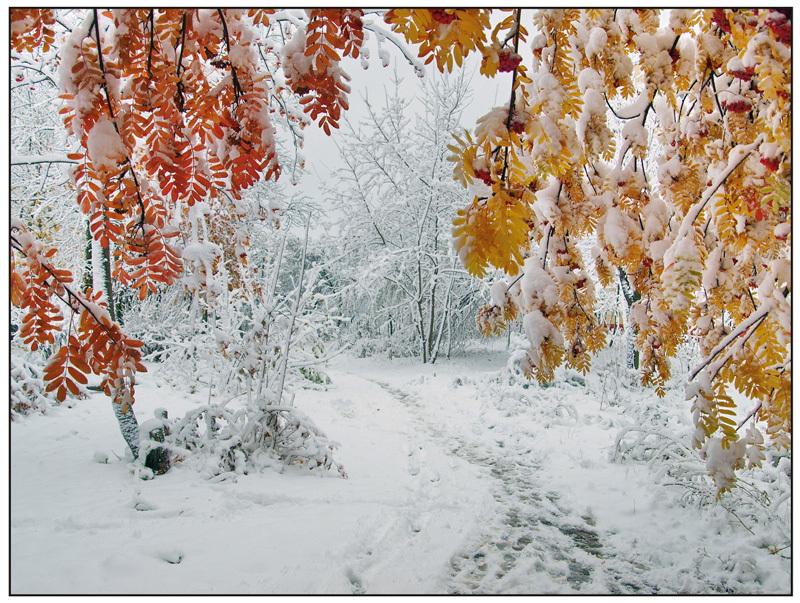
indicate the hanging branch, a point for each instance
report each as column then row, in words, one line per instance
column 104, row 86
column 512, row 102
column 152, row 44
column 72, row 296
column 237, row 88
column 179, row 84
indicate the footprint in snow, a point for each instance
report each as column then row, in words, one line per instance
column 171, row 555
column 355, row 582
column 140, row 504
column 412, row 452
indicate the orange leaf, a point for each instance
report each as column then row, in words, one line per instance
column 78, row 375
column 74, row 389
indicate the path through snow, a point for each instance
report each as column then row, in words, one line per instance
column 529, row 538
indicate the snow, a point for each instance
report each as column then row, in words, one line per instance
column 458, row 482
column 597, row 42
column 105, row 145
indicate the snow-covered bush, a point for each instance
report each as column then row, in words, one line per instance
column 27, row 388
column 268, row 333
column 264, row 434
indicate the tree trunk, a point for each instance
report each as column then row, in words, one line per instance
column 288, row 341
column 631, row 297
column 421, row 313
column 108, row 283
column 445, row 319
column 88, row 267
column 129, row 427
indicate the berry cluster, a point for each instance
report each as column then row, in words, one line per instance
column 719, row 19
column 780, row 26
column 745, row 74
column 737, row 106
column 485, row 176
column 440, row 15
column 509, row 60
column 517, row 125
column 772, row 163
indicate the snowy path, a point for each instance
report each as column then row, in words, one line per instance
column 530, row 538
column 562, row 517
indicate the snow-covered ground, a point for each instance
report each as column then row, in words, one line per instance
column 458, row 483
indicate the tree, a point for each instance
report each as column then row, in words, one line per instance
column 705, row 101
column 173, row 114
column 397, row 196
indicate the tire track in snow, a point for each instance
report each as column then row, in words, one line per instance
column 532, row 543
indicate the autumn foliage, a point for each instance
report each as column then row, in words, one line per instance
column 95, row 343
column 173, row 113
column 668, row 143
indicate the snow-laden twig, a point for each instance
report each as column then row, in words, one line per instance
column 383, row 34
column 753, row 319
column 736, row 158
column 17, row 159
column 295, row 311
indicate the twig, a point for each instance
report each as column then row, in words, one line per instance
column 512, row 102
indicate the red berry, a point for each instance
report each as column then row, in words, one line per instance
column 745, row 74
column 719, row 19
column 737, row 106
column 509, row 60
column 581, row 283
column 780, row 26
column 484, row 175
column 440, row 15
column 772, row 163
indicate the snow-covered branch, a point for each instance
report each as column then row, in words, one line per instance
column 752, row 322
column 17, row 159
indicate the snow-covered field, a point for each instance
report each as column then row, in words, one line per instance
column 458, row 483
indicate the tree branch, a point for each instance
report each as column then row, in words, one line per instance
column 750, row 324
column 71, row 295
